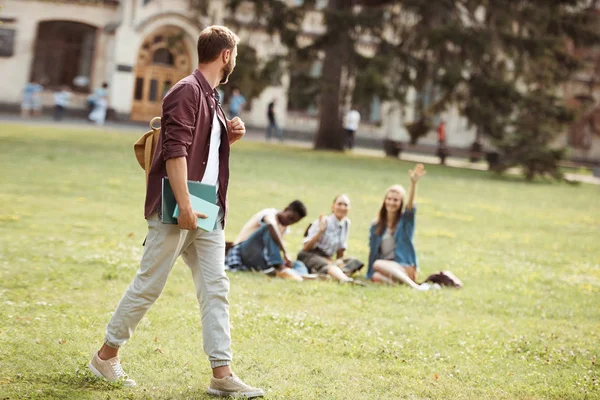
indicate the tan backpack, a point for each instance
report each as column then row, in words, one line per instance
column 145, row 146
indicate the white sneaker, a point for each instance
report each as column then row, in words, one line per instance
column 423, row 287
column 232, row 386
column 436, row 286
column 110, row 369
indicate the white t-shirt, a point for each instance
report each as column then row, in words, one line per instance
column 62, row 98
column 352, row 120
column 254, row 223
column 211, row 175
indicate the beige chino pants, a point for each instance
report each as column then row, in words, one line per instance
column 204, row 254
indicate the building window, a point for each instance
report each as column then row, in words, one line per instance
column 163, row 56
column 319, row 4
column 153, row 95
column 64, row 55
column 139, row 88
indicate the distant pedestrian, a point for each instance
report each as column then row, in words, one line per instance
column 351, row 121
column 236, row 102
column 442, row 150
column 99, row 93
column 273, row 122
column 98, row 114
column 32, row 99
column 61, row 101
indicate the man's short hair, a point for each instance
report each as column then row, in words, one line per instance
column 213, row 40
column 298, row 207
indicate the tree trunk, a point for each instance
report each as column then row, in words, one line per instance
column 330, row 135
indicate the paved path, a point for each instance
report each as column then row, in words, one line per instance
column 255, row 135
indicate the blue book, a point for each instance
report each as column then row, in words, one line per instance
column 202, row 206
column 201, row 190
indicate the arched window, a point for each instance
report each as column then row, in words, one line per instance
column 64, row 50
column 163, row 56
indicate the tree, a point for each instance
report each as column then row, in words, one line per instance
column 251, row 75
column 499, row 61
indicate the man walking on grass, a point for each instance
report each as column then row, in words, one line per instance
column 193, row 145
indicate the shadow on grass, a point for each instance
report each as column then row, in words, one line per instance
column 82, row 384
column 63, row 385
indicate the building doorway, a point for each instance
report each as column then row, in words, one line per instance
column 64, row 53
column 162, row 61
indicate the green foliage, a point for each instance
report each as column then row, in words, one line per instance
column 304, row 88
column 251, row 75
column 524, row 327
column 486, row 57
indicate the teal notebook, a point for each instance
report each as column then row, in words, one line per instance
column 202, row 206
column 201, row 190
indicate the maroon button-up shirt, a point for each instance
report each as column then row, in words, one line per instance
column 188, row 112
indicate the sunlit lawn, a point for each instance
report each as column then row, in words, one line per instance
column 525, row 326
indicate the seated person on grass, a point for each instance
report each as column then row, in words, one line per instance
column 392, row 255
column 326, row 238
column 259, row 245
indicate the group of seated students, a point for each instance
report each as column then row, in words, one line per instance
column 392, row 256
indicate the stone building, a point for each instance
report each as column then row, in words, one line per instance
column 142, row 47
column 139, row 47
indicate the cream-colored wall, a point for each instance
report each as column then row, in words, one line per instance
column 139, row 22
column 15, row 70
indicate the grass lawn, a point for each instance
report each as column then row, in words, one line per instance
column 526, row 325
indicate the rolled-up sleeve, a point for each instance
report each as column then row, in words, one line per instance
column 408, row 222
column 313, row 229
column 180, row 107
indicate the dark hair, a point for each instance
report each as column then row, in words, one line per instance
column 298, row 207
column 213, row 40
column 382, row 218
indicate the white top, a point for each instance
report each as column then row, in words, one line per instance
column 352, row 120
column 62, row 98
column 335, row 236
column 211, row 175
column 254, row 223
column 388, row 246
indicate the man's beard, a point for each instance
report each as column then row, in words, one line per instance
column 226, row 71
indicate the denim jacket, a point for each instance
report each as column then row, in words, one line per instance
column 404, row 253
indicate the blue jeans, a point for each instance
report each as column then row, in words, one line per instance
column 300, row 268
column 260, row 251
column 274, row 127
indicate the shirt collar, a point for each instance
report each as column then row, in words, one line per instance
column 204, row 85
column 334, row 219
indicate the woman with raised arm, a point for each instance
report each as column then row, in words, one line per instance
column 392, row 255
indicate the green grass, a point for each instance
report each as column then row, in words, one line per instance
column 526, row 325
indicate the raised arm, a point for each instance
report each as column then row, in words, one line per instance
column 312, row 241
column 414, row 175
